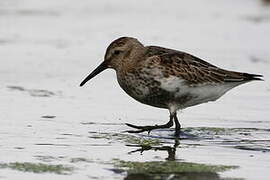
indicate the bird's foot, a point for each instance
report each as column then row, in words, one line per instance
column 147, row 128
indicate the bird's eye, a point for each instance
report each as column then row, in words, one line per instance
column 116, row 52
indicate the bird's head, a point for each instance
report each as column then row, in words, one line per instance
column 121, row 54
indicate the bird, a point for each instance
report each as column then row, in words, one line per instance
column 166, row 78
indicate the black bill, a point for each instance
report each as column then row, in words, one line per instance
column 98, row 70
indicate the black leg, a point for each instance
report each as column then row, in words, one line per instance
column 150, row 128
column 177, row 125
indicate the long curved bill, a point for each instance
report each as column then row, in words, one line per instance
column 98, row 70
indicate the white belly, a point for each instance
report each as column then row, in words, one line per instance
column 198, row 94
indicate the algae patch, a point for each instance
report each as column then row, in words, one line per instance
column 165, row 169
column 126, row 138
column 143, row 141
column 207, row 132
column 169, row 167
column 223, row 133
column 37, row 167
column 251, row 139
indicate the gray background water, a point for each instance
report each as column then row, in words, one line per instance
column 48, row 47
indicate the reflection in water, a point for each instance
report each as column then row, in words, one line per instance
column 169, row 176
column 180, row 176
column 171, row 157
column 171, row 150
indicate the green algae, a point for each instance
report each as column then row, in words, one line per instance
column 143, row 141
column 228, row 137
column 216, row 132
column 196, row 131
column 187, row 133
column 126, row 138
column 168, row 167
column 154, row 170
column 37, row 167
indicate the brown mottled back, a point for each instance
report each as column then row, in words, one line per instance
column 193, row 69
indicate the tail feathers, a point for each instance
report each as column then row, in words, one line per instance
column 241, row 77
column 250, row 77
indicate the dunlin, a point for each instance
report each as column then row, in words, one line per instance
column 166, row 78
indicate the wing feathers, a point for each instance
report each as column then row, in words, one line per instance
column 197, row 71
column 193, row 69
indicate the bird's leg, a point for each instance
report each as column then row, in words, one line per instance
column 177, row 125
column 150, row 128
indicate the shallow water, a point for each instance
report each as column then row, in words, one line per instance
column 48, row 47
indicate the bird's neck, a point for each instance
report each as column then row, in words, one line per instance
column 132, row 62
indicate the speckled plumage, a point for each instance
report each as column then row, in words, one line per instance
column 167, row 78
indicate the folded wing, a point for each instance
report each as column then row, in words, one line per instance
column 195, row 70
